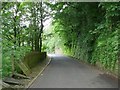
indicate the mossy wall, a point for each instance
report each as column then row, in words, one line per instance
column 34, row 58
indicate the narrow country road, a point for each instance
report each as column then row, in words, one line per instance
column 64, row 72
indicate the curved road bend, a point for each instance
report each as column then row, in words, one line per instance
column 64, row 72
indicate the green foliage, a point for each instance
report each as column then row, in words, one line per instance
column 9, row 53
column 51, row 41
column 106, row 50
column 89, row 31
column 21, row 27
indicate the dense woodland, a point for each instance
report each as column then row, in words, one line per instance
column 87, row 31
column 22, row 28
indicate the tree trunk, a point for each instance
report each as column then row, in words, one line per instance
column 36, row 43
column 32, row 42
column 19, row 42
column 41, row 29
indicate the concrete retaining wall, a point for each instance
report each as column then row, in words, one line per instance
column 33, row 58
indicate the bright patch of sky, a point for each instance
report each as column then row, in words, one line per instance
column 47, row 23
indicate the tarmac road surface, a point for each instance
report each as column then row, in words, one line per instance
column 65, row 72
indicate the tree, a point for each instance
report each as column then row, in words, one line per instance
column 88, row 31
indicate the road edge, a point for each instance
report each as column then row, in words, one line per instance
column 32, row 81
column 110, row 75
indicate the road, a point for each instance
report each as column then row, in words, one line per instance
column 64, row 72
